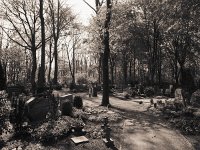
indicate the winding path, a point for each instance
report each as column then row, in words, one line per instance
column 143, row 130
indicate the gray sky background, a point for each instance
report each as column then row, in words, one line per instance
column 83, row 11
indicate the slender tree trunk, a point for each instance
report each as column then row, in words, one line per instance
column 55, row 80
column 106, row 54
column 33, row 72
column 134, row 71
column 130, row 69
column 125, row 69
column 99, row 68
column 5, row 71
column 160, row 58
column 112, row 67
column 42, row 80
column 105, row 100
column 112, row 74
column 73, row 62
column 50, row 61
column 115, row 74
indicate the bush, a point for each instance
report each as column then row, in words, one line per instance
column 82, row 80
column 81, row 87
column 78, row 102
column 195, row 98
column 149, row 91
column 132, row 92
column 127, row 96
column 67, row 108
column 57, row 86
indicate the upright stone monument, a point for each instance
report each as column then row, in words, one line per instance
column 37, row 108
column 179, row 98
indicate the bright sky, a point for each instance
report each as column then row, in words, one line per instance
column 82, row 9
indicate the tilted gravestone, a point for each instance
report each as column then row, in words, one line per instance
column 64, row 102
column 37, row 108
column 63, row 98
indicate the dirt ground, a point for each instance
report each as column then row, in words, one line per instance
column 145, row 129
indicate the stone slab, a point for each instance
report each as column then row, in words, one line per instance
column 128, row 122
column 110, row 112
column 79, row 139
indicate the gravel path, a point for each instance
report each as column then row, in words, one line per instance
column 143, row 130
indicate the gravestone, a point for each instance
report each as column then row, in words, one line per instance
column 14, row 90
column 167, row 92
column 179, row 99
column 37, row 108
column 94, row 92
column 63, row 99
column 79, row 139
column 178, row 95
column 66, row 109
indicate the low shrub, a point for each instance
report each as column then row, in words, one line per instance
column 57, row 87
column 195, row 98
column 149, row 91
column 82, row 80
column 132, row 92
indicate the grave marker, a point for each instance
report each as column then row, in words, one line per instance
column 79, row 139
column 37, row 108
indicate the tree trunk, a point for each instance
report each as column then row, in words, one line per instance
column 125, row 68
column 105, row 100
column 112, row 66
column 99, row 68
column 159, row 68
column 55, row 80
column 130, row 69
column 5, row 71
column 73, row 62
column 50, row 61
column 106, row 54
column 112, row 74
column 33, row 72
column 134, row 71
column 42, row 82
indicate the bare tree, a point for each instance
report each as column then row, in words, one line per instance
column 41, row 79
column 60, row 18
column 23, row 17
column 106, row 47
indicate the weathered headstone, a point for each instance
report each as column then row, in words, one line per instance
column 178, row 95
column 179, row 99
column 66, row 109
column 37, row 108
column 167, row 92
column 66, row 97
